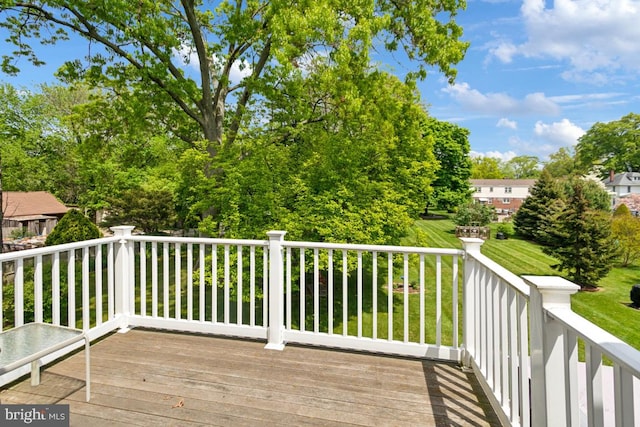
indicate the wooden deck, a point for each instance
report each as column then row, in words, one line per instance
column 154, row 378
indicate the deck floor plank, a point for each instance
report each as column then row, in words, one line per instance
column 146, row 377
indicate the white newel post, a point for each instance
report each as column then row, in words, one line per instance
column 122, row 280
column 553, row 399
column 470, row 245
column 275, row 296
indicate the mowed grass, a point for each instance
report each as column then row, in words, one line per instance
column 608, row 307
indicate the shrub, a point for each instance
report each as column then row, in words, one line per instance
column 20, row 233
column 506, row 228
column 474, row 214
column 73, row 227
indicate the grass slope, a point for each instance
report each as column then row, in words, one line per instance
column 607, row 308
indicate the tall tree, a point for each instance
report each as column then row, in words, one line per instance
column 612, row 146
column 359, row 173
column 486, row 168
column 562, row 163
column 522, row 167
column 451, row 148
column 252, row 59
column 144, row 45
column 581, row 239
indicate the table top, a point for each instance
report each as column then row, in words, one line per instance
column 26, row 343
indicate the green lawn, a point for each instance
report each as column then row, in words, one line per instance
column 607, row 308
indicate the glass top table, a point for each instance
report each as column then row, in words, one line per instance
column 29, row 343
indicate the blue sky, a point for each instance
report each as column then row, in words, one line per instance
column 539, row 74
column 536, row 76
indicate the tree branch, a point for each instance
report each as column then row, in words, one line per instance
column 90, row 32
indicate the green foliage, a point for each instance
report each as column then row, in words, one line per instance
column 562, row 163
column 611, row 146
column 521, row 167
column 149, row 209
column 20, row 233
column 486, row 168
column 622, row 211
column 528, row 218
column 475, row 214
column 535, row 218
column 147, row 43
column 451, row 148
column 359, row 174
column 626, row 231
column 318, row 143
column 506, row 228
column 72, row 227
column 581, row 238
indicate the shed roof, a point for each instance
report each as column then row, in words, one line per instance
column 31, row 203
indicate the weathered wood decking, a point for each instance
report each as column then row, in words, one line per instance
column 153, row 378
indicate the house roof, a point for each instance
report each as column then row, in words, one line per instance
column 31, row 203
column 503, row 182
column 625, row 178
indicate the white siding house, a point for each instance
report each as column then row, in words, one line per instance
column 621, row 187
column 506, row 195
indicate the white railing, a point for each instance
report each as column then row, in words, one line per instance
column 518, row 334
column 194, row 284
column 70, row 285
column 388, row 299
column 522, row 339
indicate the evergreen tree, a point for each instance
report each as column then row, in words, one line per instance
column 545, row 192
column 73, row 227
column 581, row 239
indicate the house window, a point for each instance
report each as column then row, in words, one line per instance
column 478, row 190
column 628, row 189
column 506, row 201
column 507, row 189
column 490, row 189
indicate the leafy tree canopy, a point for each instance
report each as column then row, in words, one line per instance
column 474, row 214
column 611, row 146
column 521, row 167
column 626, row 230
column 451, row 148
column 359, row 174
column 562, row 163
column 275, row 121
column 145, row 45
column 150, row 208
column 486, row 168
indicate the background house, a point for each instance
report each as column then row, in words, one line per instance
column 506, row 195
column 622, row 187
column 37, row 211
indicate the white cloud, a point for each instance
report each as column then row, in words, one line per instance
column 504, row 51
column 598, row 38
column 501, row 103
column 506, row 123
column 547, row 138
column 562, row 133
